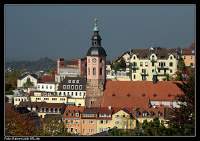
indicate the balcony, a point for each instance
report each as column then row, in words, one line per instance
column 162, row 67
column 144, row 73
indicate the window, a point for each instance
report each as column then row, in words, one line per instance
column 117, row 123
column 73, row 81
column 133, row 76
column 72, row 129
column 101, row 121
column 38, row 86
column 144, row 114
column 77, row 81
column 192, row 51
column 76, row 93
column 141, row 64
column 101, row 60
column 191, row 64
column 68, row 86
column 146, row 64
column 153, row 64
column 42, row 86
column 91, row 122
column 72, row 87
column 79, row 93
column 184, row 57
column 50, row 87
column 62, row 99
column 152, row 113
column 191, row 57
column 171, row 57
column 171, row 64
column 46, row 86
column 91, row 130
column 76, row 87
column 88, row 71
column 170, row 71
column 159, row 114
column 72, row 93
column 77, row 114
column 101, row 71
column 94, row 71
column 83, row 121
column 153, row 57
column 64, row 86
column 134, row 57
column 80, row 87
column 83, row 130
column 54, row 99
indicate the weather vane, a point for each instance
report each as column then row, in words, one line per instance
column 95, row 20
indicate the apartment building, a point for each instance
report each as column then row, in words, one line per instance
column 141, row 63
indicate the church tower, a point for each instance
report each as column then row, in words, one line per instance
column 96, row 68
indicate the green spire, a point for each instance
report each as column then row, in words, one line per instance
column 155, row 73
column 95, row 26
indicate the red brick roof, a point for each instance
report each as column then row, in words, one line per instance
column 137, row 93
column 48, row 79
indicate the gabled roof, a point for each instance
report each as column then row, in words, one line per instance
column 189, row 50
column 25, row 75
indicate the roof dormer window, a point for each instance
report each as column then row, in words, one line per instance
column 69, row 81
column 192, row 51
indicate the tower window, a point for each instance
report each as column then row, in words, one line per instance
column 94, row 71
column 88, row 71
column 101, row 60
column 100, row 71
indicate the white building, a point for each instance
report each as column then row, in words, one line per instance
column 22, row 79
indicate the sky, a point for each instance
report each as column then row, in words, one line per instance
column 65, row 31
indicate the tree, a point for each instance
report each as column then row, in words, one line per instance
column 28, row 83
column 52, row 73
column 184, row 117
column 181, row 64
column 18, row 125
column 52, row 126
column 152, row 128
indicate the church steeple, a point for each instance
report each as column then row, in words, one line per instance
column 96, row 39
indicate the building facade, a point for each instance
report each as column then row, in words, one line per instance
column 189, row 56
column 141, row 63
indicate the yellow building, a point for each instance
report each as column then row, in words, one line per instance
column 18, row 99
column 142, row 63
column 38, row 96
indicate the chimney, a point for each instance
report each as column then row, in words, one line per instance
column 60, row 63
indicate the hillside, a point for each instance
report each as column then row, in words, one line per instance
column 46, row 64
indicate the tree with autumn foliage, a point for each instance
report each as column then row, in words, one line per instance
column 17, row 124
column 183, row 118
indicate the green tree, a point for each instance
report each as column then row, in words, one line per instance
column 153, row 128
column 184, row 117
column 28, row 83
column 181, row 64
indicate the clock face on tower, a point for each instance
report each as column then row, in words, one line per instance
column 94, row 60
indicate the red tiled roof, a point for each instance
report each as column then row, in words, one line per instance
column 189, row 50
column 72, row 62
column 136, row 93
column 48, row 79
